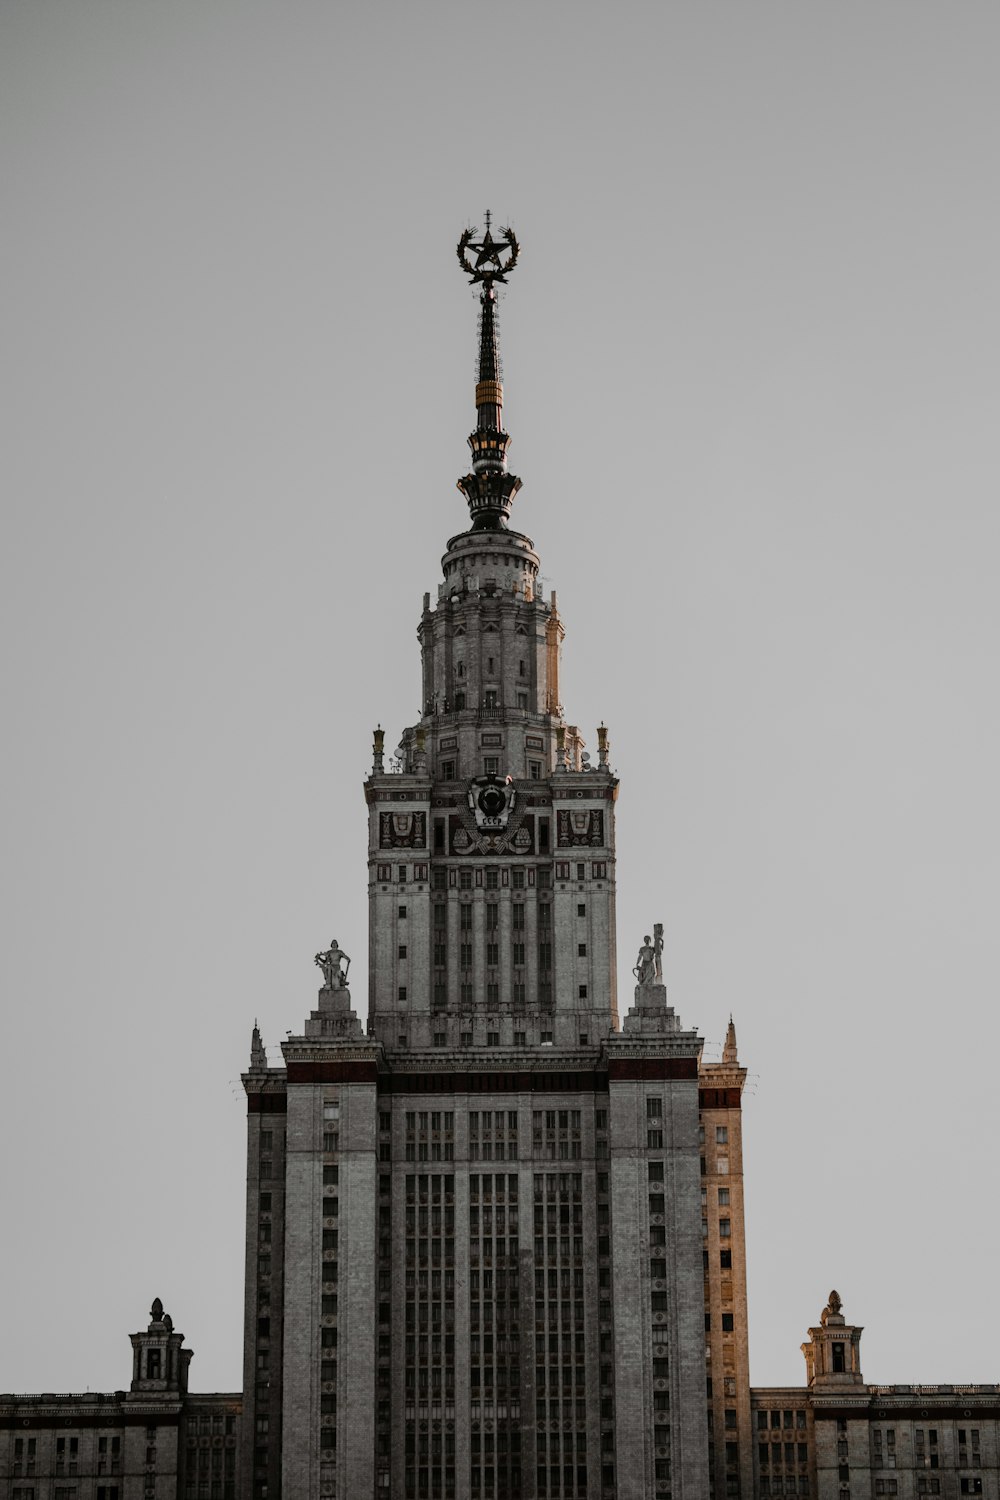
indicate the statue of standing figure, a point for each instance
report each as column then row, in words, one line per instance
column 334, row 977
column 649, row 965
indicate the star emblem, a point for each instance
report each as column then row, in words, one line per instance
column 494, row 258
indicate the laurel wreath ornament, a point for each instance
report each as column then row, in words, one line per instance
column 485, row 273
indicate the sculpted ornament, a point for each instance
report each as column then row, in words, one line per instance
column 334, row 977
column 649, row 965
column 495, row 259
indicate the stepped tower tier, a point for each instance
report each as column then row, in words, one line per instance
column 492, row 850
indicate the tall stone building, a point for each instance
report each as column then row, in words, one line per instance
column 495, row 1239
column 474, row 1253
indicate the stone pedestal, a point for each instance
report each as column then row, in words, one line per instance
column 650, row 1015
column 333, row 1016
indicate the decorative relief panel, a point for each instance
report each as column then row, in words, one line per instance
column 516, row 838
column 406, row 830
column 580, row 828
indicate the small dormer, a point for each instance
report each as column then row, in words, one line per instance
column 833, row 1353
column 159, row 1362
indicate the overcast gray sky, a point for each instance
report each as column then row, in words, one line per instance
column 751, row 374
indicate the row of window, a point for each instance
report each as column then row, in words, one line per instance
column 67, row 1492
column 785, row 1418
column 778, row 1453
column 467, row 878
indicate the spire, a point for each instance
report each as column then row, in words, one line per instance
column 489, row 489
column 258, row 1057
column 729, row 1049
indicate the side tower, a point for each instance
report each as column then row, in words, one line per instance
column 724, row 1253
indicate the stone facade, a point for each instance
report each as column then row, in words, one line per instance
column 841, row 1439
column 152, row 1442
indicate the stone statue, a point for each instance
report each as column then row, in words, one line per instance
column 334, row 977
column 658, row 952
column 645, row 967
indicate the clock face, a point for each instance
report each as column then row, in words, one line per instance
column 491, row 802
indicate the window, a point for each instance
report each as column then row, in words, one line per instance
column 723, row 1197
column 402, row 912
column 724, row 1229
column 517, row 879
column 581, row 950
column 402, row 950
column 447, row 770
column 534, row 770
column 582, row 992
column 727, row 1322
column 726, row 1259
column 522, row 701
column 402, row 992
column 491, row 763
column 654, row 1107
column 721, row 1135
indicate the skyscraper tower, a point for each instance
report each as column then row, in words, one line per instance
column 474, row 1262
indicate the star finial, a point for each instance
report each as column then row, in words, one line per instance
column 494, row 258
